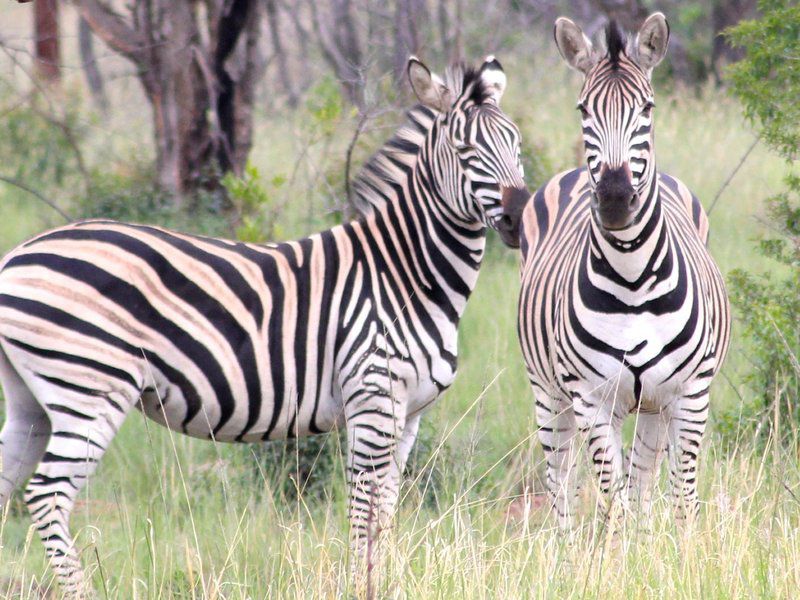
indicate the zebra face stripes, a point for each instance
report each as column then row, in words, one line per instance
column 487, row 144
column 622, row 310
column 353, row 327
column 616, row 118
column 481, row 163
column 616, row 106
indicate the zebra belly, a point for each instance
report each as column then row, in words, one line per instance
column 161, row 408
column 428, row 384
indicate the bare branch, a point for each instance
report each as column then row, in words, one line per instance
column 94, row 78
column 732, row 175
column 112, row 28
column 22, row 186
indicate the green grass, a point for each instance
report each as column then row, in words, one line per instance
column 171, row 517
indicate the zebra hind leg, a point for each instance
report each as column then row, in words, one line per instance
column 559, row 439
column 25, row 433
column 83, row 423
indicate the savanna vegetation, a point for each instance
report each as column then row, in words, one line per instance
column 171, row 517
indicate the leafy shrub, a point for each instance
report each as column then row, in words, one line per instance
column 767, row 82
column 42, row 159
column 308, row 467
column 429, row 464
column 37, row 145
column 132, row 195
column 300, row 467
column 255, row 205
column 769, row 314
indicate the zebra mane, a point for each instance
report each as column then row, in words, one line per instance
column 390, row 165
column 461, row 79
column 616, row 41
column 392, row 162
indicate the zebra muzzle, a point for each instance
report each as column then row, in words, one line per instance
column 507, row 225
column 615, row 201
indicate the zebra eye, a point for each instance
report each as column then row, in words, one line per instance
column 463, row 148
column 647, row 108
column 584, row 113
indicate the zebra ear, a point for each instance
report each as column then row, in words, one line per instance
column 493, row 78
column 574, row 46
column 652, row 41
column 429, row 87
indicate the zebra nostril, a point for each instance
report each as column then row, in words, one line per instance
column 505, row 223
column 633, row 203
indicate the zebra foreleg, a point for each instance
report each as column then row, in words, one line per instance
column 375, row 428
column 686, row 428
column 560, row 442
column 604, row 443
column 647, row 452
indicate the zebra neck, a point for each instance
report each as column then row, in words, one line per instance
column 439, row 169
column 440, row 250
column 638, row 255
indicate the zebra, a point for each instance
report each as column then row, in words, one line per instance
column 353, row 327
column 622, row 309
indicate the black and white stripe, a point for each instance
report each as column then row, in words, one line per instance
column 622, row 309
column 355, row 326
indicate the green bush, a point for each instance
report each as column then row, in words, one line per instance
column 255, row 205
column 133, row 196
column 767, row 82
column 38, row 145
column 308, row 467
column 300, row 467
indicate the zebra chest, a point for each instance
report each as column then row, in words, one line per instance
column 411, row 361
column 632, row 357
column 432, row 382
column 434, row 371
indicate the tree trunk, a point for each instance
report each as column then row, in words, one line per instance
column 341, row 47
column 727, row 13
column 94, row 78
column 48, row 52
column 630, row 14
column 280, row 54
column 408, row 14
column 198, row 63
column 457, row 48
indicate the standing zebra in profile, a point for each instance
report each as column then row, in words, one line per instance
column 622, row 309
column 355, row 326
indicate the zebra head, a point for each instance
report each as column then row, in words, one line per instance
column 616, row 106
column 478, row 167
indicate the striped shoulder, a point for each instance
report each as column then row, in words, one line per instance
column 674, row 191
column 547, row 207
